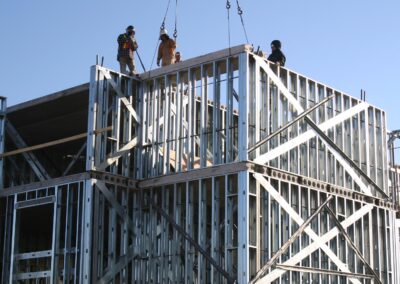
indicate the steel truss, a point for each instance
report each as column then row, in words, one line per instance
column 200, row 172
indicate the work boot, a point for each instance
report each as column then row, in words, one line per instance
column 133, row 73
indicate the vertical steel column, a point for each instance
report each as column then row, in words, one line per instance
column 154, row 108
column 127, row 128
column 229, row 156
column 141, row 159
column 7, row 238
column 243, row 106
column 243, row 177
column 166, row 127
column 3, row 108
column 191, row 119
column 86, row 236
column 14, row 238
column 92, row 117
column 56, row 235
column 189, row 229
column 215, row 227
column 178, row 122
column 176, row 245
column 217, row 113
column 202, row 228
column 203, row 118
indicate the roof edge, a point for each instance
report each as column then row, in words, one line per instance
column 48, row 98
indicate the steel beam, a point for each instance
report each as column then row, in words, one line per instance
column 323, row 271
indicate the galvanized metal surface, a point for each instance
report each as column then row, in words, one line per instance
column 180, row 138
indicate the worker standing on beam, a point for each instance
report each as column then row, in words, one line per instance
column 277, row 55
column 166, row 50
column 126, row 47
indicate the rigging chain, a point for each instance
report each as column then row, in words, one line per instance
column 176, row 20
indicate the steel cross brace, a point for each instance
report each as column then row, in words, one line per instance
column 36, row 166
column 192, row 242
column 121, row 95
column 120, row 210
column 297, row 218
column 74, row 159
column 342, row 158
column 351, row 243
column 286, row 126
column 327, row 140
column 123, row 260
column 297, row 258
column 286, row 245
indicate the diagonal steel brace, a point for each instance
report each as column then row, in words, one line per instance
column 286, row 245
column 36, row 166
column 192, row 242
column 356, row 250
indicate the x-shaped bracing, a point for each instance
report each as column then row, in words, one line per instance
column 318, row 241
column 318, row 130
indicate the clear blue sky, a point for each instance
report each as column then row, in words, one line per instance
column 47, row 46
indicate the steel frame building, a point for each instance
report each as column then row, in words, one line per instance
column 222, row 168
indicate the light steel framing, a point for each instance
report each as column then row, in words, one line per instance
column 200, row 172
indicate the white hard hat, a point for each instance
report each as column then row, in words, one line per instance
column 163, row 32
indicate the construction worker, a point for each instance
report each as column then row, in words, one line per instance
column 167, row 48
column 178, row 57
column 126, row 47
column 277, row 55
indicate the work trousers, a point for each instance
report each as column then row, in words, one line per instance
column 126, row 61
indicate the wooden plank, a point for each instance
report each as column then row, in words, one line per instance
column 51, row 143
column 194, row 174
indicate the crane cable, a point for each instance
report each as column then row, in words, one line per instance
column 240, row 13
column 161, row 28
column 165, row 16
column 176, row 21
column 228, row 7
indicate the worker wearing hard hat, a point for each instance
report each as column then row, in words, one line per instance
column 277, row 55
column 126, row 47
column 166, row 50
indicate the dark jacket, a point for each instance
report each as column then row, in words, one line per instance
column 277, row 56
column 126, row 45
